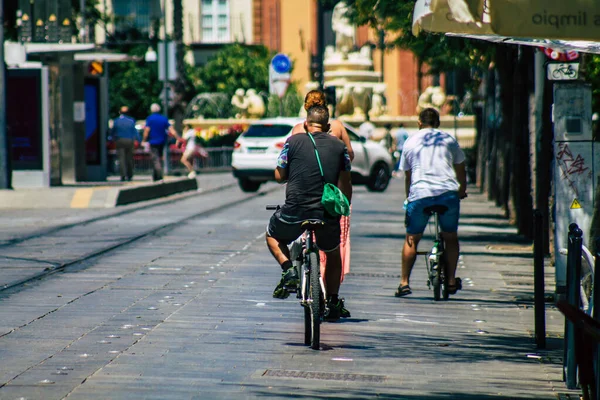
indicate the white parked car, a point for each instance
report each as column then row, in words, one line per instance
column 255, row 155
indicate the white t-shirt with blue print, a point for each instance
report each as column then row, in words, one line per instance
column 430, row 155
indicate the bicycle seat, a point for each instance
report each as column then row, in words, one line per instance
column 312, row 224
column 435, row 209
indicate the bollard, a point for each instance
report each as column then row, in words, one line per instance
column 596, row 314
column 573, row 297
column 538, row 279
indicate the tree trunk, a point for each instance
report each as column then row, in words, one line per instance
column 482, row 132
column 492, row 145
column 521, row 201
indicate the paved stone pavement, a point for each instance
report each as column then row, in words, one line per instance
column 17, row 222
column 187, row 314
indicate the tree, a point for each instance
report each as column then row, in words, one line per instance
column 135, row 84
column 235, row 66
column 503, row 136
column 441, row 53
column 182, row 88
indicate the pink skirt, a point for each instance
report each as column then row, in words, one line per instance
column 344, row 248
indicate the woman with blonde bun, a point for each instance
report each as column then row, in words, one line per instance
column 337, row 129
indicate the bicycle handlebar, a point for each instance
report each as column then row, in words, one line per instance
column 272, row 207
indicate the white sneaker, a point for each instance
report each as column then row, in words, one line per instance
column 192, row 175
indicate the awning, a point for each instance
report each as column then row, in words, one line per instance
column 557, row 24
column 436, row 16
column 550, row 19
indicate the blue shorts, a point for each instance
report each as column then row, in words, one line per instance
column 416, row 219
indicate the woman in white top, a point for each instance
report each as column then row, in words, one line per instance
column 187, row 158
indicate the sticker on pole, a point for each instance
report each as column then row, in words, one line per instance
column 279, row 74
column 563, row 71
column 575, row 204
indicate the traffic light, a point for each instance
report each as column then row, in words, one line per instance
column 315, row 68
column 95, row 68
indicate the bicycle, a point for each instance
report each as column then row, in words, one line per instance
column 436, row 257
column 311, row 289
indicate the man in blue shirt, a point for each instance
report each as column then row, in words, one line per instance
column 124, row 134
column 156, row 133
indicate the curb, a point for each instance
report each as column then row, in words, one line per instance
column 154, row 191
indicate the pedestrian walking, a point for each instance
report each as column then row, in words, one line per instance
column 192, row 149
column 400, row 136
column 157, row 130
column 125, row 135
column 388, row 140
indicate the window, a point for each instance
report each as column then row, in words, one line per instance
column 215, row 21
column 132, row 14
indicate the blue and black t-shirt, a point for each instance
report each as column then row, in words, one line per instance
column 305, row 186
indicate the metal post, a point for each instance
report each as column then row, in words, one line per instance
column 320, row 42
column 382, row 55
column 166, row 151
column 5, row 170
column 573, row 298
column 538, row 279
column 83, row 32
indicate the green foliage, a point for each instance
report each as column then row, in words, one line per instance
column 592, row 75
column 235, row 66
column 292, row 102
column 440, row 52
column 135, row 84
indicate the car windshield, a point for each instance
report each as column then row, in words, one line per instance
column 267, row 131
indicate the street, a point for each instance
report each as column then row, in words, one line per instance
column 173, row 301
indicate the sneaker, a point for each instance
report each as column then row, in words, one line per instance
column 335, row 311
column 289, row 279
column 192, row 175
column 344, row 313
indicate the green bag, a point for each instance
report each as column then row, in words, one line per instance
column 333, row 200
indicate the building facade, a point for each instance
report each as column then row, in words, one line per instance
column 287, row 26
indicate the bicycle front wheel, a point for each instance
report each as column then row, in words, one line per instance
column 316, row 303
column 436, row 282
column 444, row 277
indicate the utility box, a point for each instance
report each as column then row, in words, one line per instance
column 28, row 127
column 575, row 167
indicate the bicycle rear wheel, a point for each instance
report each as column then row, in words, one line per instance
column 307, row 319
column 316, row 304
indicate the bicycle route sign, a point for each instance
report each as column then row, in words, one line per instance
column 563, row 71
column 279, row 74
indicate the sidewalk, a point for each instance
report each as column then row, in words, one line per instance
column 478, row 345
column 213, row 330
column 108, row 194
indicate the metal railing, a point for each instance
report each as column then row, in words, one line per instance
column 219, row 159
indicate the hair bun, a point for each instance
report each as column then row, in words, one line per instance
column 315, row 98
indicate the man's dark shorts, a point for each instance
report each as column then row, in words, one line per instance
column 328, row 237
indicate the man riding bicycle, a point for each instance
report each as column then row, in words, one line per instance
column 434, row 167
column 298, row 166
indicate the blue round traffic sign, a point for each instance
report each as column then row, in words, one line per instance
column 281, row 63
